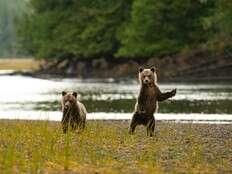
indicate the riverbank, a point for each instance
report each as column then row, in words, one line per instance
column 106, row 147
column 196, row 66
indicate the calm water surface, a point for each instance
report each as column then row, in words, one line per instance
column 33, row 98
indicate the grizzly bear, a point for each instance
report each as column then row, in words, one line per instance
column 147, row 101
column 74, row 112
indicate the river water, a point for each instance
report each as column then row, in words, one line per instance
column 23, row 97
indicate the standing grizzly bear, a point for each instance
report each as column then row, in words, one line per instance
column 74, row 112
column 147, row 102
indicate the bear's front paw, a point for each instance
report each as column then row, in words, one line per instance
column 173, row 92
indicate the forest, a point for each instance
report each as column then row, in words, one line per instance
column 90, row 29
column 61, row 30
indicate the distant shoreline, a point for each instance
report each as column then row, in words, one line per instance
column 202, row 67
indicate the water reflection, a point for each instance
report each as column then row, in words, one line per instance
column 20, row 93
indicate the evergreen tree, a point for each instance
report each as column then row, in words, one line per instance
column 161, row 27
column 221, row 25
column 80, row 29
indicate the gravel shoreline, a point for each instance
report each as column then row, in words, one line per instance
column 106, row 147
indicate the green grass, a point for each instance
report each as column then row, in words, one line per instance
column 105, row 147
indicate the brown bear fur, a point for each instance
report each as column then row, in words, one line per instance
column 74, row 112
column 147, row 101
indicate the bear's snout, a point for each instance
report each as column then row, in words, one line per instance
column 146, row 81
column 66, row 105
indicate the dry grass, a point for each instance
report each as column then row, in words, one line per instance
column 18, row 64
column 106, row 147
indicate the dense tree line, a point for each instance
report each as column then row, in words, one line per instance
column 89, row 29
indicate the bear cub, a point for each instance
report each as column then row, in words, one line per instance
column 147, row 101
column 74, row 112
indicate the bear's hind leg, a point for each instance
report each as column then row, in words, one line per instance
column 64, row 127
column 151, row 127
column 83, row 125
column 134, row 123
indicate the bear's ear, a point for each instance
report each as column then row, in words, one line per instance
column 153, row 69
column 141, row 69
column 74, row 94
column 64, row 93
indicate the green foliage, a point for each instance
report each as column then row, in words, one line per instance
column 161, row 27
column 81, row 29
column 221, row 23
column 88, row 29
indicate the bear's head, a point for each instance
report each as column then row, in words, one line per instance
column 68, row 100
column 147, row 76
